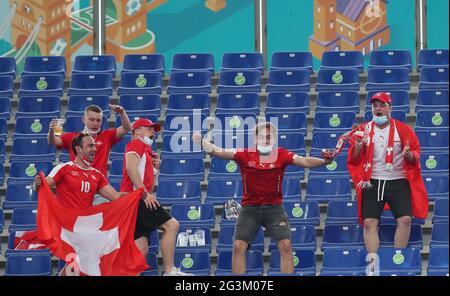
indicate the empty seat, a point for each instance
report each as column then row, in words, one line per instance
column 8, row 67
column 3, row 129
column 342, row 212
column 25, row 171
column 193, row 62
column 288, row 122
column 5, row 108
column 239, row 81
column 226, row 239
column 118, row 149
column 302, row 237
column 400, row 100
column 116, row 170
column 388, row 218
column 233, row 140
column 254, row 263
column 337, row 101
column 141, row 104
column 388, row 79
column 304, row 262
column 390, row 59
column 178, row 191
column 291, row 190
column 23, row 219
column 436, row 186
column 344, row 261
column 223, row 169
column 75, row 124
column 41, row 85
column 434, row 78
column 39, row 107
column 180, row 146
column 77, row 105
column 432, row 58
column 438, row 261
column 189, row 82
column 292, row 141
column 140, row 83
column 338, row 167
column 302, row 213
column 2, row 174
column 32, row 149
column 20, row 195
column 182, row 169
column 143, row 62
column 288, row 81
column 230, row 103
column 333, row 121
column 195, row 262
column 432, row 100
column 342, row 237
column 338, row 80
column 439, row 235
column 194, row 239
column 187, row 104
column 400, row 261
column 434, row 163
column 287, row 102
column 336, row 60
column 235, row 122
column 221, row 190
column 194, row 215
column 325, row 140
column 292, row 61
column 386, row 233
column 432, row 120
column 186, row 123
column 28, row 265
column 45, row 65
column 95, row 64
column 32, row 127
column 440, row 214
column 90, row 84
column 6, row 86
column 243, row 61
column 433, row 140
column 2, row 149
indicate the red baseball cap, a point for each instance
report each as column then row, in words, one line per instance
column 145, row 122
column 382, row 96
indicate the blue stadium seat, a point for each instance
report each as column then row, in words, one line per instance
column 118, row 149
column 221, row 190
column 193, row 62
column 90, row 84
column 2, row 150
column 342, row 212
column 243, row 61
column 141, row 104
column 2, row 220
column 153, row 243
column 14, row 239
column 223, row 169
column 32, row 149
column 8, row 67
column 434, row 78
column 342, row 237
column 302, row 213
column 400, row 100
column 436, row 186
column 231, row 103
column 226, row 239
column 152, row 262
column 39, row 107
column 2, row 174
column 195, row 262
column 45, row 65
column 337, row 101
column 440, row 214
column 280, row 102
column 180, row 146
column 24, row 171
column 41, row 85
column 95, row 64
column 23, row 219
column 399, row 115
column 134, row 117
column 432, row 58
column 291, row 190
column 432, row 120
column 140, row 83
column 28, row 265
column 230, row 139
column 288, row 81
column 344, row 261
column 239, row 81
column 254, row 263
column 241, row 122
column 5, row 108
column 338, row 80
column 438, row 262
column 288, row 122
column 433, row 140
column 325, row 140
column 336, row 168
column 400, row 261
column 32, row 127
column 390, row 59
column 20, row 195
column 439, row 235
column 178, row 191
column 434, row 163
column 144, row 62
column 432, row 100
column 294, row 142
column 75, row 124
column 185, row 104
column 3, row 129
column 302, row 237
column 189, row 82
column 292, row 61
column 77, row 104
column 388, row 218
column 336, row 60
column 333, row 121
column 116, row 170
column 387, row 232
column 6, row 86
column 182, row 169
column 195, row 243
column 388, row 79
column 194, row 215
column 304, row 262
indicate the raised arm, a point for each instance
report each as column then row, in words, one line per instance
column 212, row 149
column 126, row 124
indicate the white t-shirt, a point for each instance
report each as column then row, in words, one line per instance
column 379, row 169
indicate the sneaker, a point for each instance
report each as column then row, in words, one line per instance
column 176, row 272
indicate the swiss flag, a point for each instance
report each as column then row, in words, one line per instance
column 94, row 241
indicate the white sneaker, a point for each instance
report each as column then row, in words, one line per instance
column 176, row 272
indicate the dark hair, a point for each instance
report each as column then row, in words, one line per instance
column 78, row 141
column 93, row 108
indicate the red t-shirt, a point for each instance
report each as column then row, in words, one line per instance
column 76, row 187
column 145, row 166
column 262, row 181
column 103, row 142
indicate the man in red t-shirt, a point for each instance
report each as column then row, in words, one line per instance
column 138, row 172
column 262, row 170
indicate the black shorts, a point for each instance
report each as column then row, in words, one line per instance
column 148, row 220
column 397, row 194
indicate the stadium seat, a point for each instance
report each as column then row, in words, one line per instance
column 400, row 100
column 5, row 108
column 180, row 146
column 239, row 81
column 439, row 235
column 436, row 186
column 243, row 61
column 337, row 60
column 432, row 120
column 24, row 171
column 336, row 168
column 223, row 169
column 2, row 221
column 39, row 107
column 95, row 64
column 438, row 262
column 236, row 122
column 333, row 121
column 182, row 169
column 144, row 62
column 342, row 212
column 302, row 213
column 440, row 214
column 433, row 140
column 254, row 263
column 304, row 262
column 435, row 78
column 390, row 59
column 288, row 122
column 399, row 115
column 178, row 192
column 45, row 65
column 294, row 142
column 20, row 195
column 302, row 237
column 342, row 237
column 195, row 262
column 3, row 129
column 8, row 67
column 153, row 243
column 434, row 163
column 338, row 80
column 141, row 104
column 233, row 140
column 189, row 82
column 75, row 124
column 291, row 190
column 432, row 58
column 152, row 262
column 140, row 83
column 116, row 170
column 77, row 104
column 337, row 101
column 432, row 100
column 6, row 86
column 90, row 84
column 226, row 239
column 134, row 117
column 344, row 261
column 291, row 102
column 193, row 62
column 23, row 219
column 325, row 140
column 221, row 190
column 386, row 233
column 2, row 174
column 118, row 149
column 28, row 265
column 199, row 239
column 41, row 86
column 32, row 127
column 2, row 149
column 292, row 61
column 288, row 81
column 32, row 149
column 387, row 79
column 230, row 103
column 185, row 104
column 14, row 238
column 400, row 261
column 194, row 215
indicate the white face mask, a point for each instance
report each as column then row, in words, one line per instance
column 264, row 150
column 85, row 159
column 147, row 141
column 90, row 132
